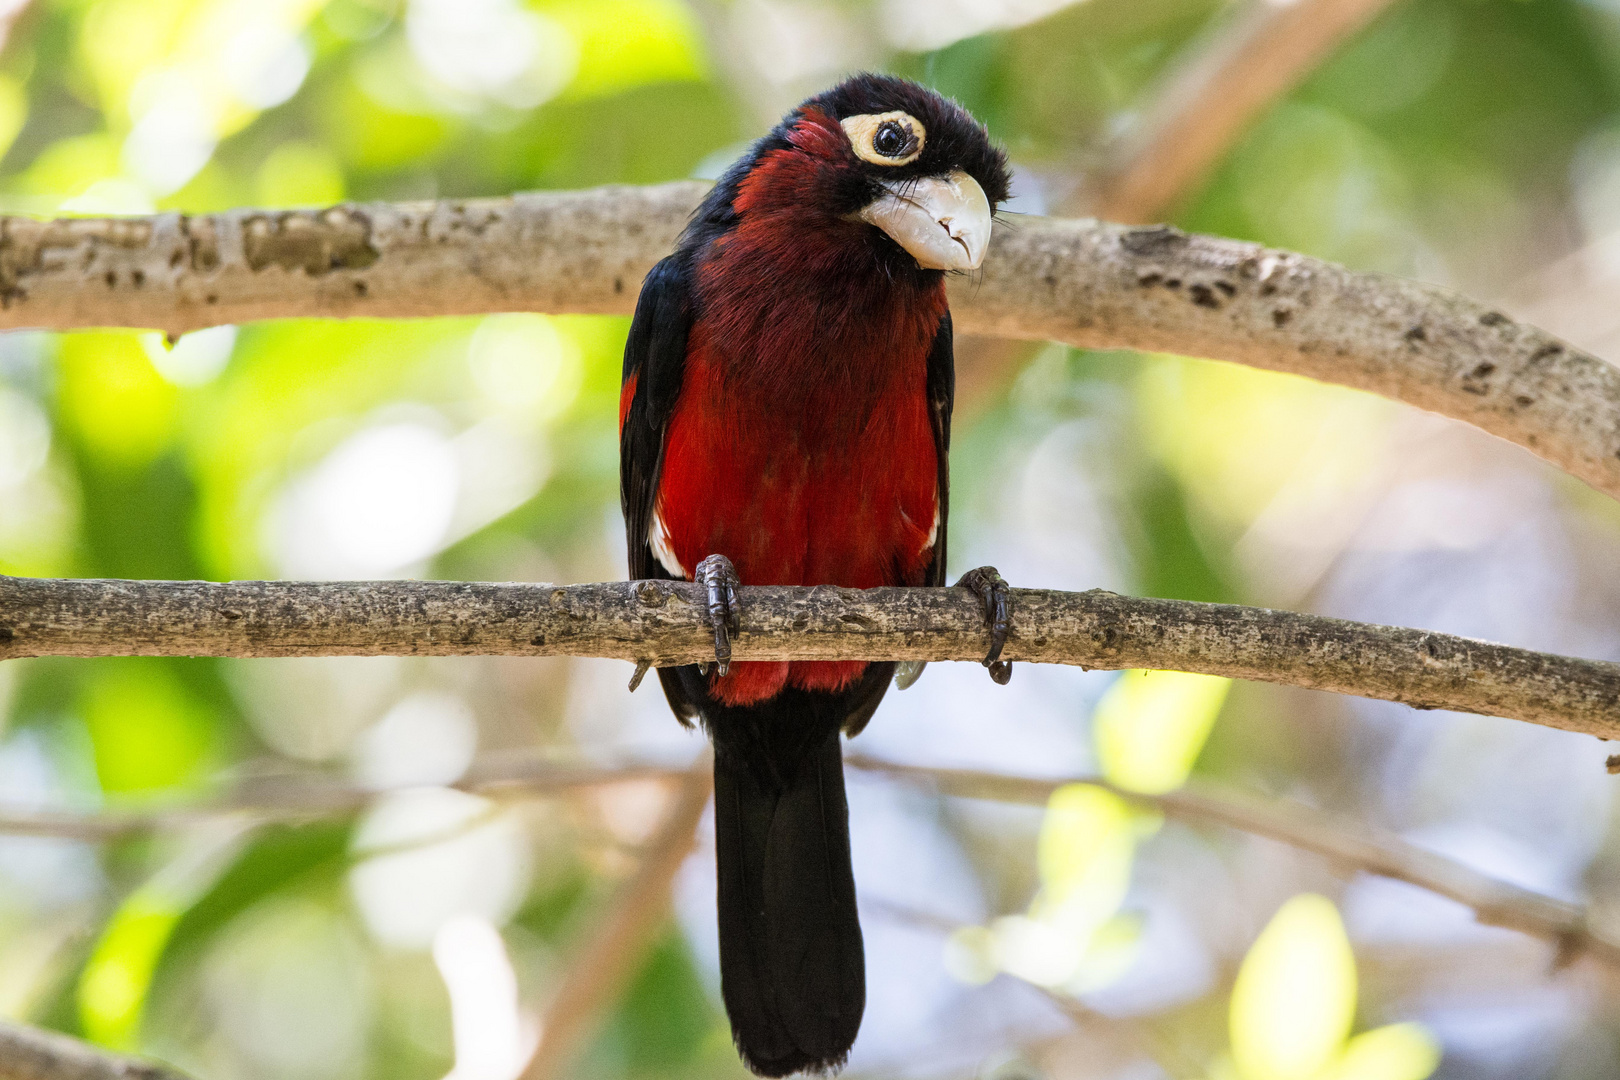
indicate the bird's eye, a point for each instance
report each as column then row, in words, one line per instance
column 891, row 138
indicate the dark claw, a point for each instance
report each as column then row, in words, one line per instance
column 996, row 598
column 719, row 577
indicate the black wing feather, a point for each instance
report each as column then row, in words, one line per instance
column 655, row 356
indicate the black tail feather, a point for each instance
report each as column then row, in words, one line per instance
column 792, row 968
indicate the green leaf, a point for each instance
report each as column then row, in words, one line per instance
column 112, row 989
column 1087, row 842
column 299, row 174
column 147, row 729
column 1295, row 995
column 123, row 411
column 1086, row 849
column 1151, row 726
column 114, row 986
column 628, row 43
column 1394, row 1052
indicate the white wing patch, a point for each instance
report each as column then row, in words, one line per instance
column 933, row 530
column 658, row 540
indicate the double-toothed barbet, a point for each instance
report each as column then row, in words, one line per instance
column 784, row 420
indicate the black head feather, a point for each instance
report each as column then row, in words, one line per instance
column 955, row 140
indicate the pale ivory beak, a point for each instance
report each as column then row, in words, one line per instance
column 944, row 222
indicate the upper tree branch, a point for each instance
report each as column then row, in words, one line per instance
column 1084, row 283
column 666, row 623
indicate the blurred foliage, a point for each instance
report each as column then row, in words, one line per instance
column 1151, row 726
column 1294, row 1003
column 1464, row 141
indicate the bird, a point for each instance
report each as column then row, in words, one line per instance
column 785, row 419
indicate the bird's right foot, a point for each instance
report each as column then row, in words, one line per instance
column 719, row 577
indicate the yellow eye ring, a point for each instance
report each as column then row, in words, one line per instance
column 891, row 138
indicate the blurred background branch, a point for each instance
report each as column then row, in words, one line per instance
column 606, row 956
column 607, row 959
column 283, row 797
column 1350, row 846
column 28, row 1053
column 1210, row 99
column 1225, row 79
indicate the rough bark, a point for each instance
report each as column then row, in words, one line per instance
column 1096, row 285
column 665, row 622
column 582, row 251
column 1085, row 283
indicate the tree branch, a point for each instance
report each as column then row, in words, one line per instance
column 1084, row 283
column 305, row 796
column 1207, row 104
column 666, row 623
column 1494, row 902
column 607, row 960
column 28, row 1053
column 1191, row 120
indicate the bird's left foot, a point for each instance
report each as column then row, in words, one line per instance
column 719, row 577
column 996, row 598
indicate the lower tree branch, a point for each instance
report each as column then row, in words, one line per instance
column 1355, row 847
column 300, row 797
column 1084, row 283
column 29, row 1053
column 666, row 623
